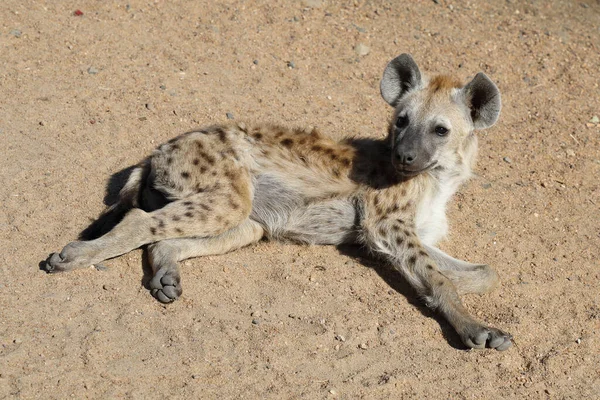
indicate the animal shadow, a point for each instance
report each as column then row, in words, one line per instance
column 395, row 280
column 112, row 215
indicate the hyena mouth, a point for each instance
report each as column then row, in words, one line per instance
column 414, row 172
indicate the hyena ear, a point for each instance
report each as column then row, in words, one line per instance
column 401, row 75
column 483, row 99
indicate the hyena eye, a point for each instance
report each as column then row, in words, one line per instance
column 441, row 131
column 402, row 121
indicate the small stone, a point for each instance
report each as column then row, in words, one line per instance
column 256, row 314
column 195, row 376
column 149, row 106
column 362, row 346
column 313, row 3
column 17, row 341
column 578, row 341
column 16, row 33
column 570, row 153
column 340, row 338
column 507, row 160
column 255, row 62
column 291, row 65
column 486, row 185
column 163, row 87
column 42, row 123
column 362, row 49
column 255, row 321
column 229, row 115
column 595, row 120
column 92, row 70
column 333, row 392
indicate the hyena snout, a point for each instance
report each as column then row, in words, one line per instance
column 412, row 156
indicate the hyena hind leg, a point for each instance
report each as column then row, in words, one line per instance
column 466, row 277
column 164, row 255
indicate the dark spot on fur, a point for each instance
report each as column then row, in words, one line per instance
column 399, row 240
column 209, row 158
column 382, row 231
column 187, row 203
column 169, row 160
column 202, row 218
column 200, row 189
column 199, row 145
column 393, row 208
column 175, row 147
column 189, row 214
column 179, row 231
column 406, row 233
column 214, row 173
column 196, row 161
column 153, row 230
column 205, row 207
column 185, row 175
column 316, row 147
column 176, row 218
column 395, row 228
column 278, row 135
column 423, row 253
column 161, row 223
column 287, row 142
column 257, row 136
column 219, row 218
column 411, row 245
column 222, row 135
column 412, row 260
column 345, row 162
column 336, row 172
column 203, row 169
column 302, row 141
column 429, row 267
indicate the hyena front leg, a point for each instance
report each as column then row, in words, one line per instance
column 466, row 277
column 400, row 246
column 203, row 214
column 164, row 256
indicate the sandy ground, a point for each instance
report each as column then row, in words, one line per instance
column 83, row 97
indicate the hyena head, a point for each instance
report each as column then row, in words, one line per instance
column 434, row 119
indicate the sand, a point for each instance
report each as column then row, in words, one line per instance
column 83, row 97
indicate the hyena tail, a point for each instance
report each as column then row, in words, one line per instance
column 130, row 196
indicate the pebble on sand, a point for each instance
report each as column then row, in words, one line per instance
column 92, row 70
column 362, row 49
column 229, row 115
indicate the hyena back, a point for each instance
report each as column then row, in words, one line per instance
column 224, row 187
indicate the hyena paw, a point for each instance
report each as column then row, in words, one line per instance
column 165, row 286
column 72, row 256
column 479, row 337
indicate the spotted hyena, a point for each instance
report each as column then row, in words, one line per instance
column 223, row 187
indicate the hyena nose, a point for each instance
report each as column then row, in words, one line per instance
column 406, row 157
